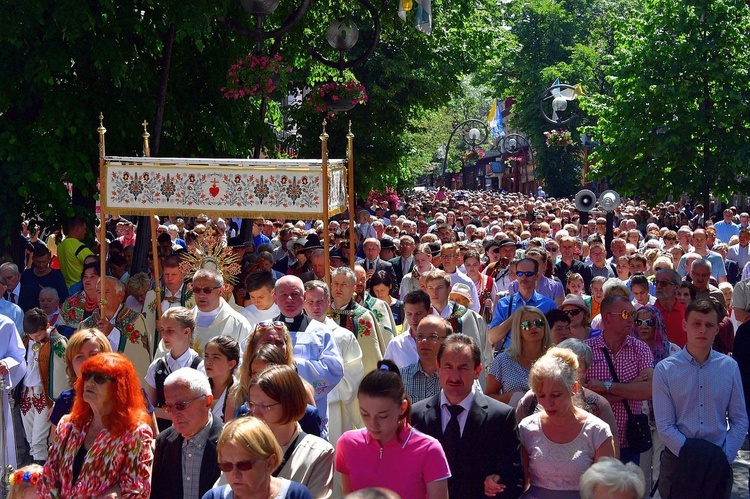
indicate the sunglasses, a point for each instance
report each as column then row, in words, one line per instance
column 264, row 325
column 98, row 378
column 625, row 314
column 526, row 325
column 526, row 273
column 241, row 465
column 574, row 312
column 644, row 322
column 496, row 250
column 206, row 291
column 180, row 406
column 551, row 249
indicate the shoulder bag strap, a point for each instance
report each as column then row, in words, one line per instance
column 289, row 452
column 615, row 378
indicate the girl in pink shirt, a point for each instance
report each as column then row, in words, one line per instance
column 388, row 452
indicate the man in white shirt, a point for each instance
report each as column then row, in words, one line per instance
column 262, row 306
column 402, row 349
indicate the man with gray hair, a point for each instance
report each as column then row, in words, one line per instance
column 700, row 273
column 124, row 328
column 13, row 278
column 185, row 458
column 608, row 477
column 8, row 309
column 49, row 301
column 214, row 316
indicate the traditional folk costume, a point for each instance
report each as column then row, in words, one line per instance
column 129, row 337
column 360, row 321
column 44, row 381
column 385, row 326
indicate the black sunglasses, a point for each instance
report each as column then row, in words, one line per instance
column 574, row 312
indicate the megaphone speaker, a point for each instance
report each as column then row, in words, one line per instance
column 609, row 200
column 585, row 200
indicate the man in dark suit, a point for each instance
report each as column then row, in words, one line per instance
column 372, row 262
column 478, row 433
column 190, row 443
column 403, row 264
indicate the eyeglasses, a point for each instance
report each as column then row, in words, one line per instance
column 659, row 282
column 551, row 249
column 98, row 378
column 574, row 312
column 526, row 273
column 526, row 325
column 241, row 465
column 432, row 338
column 180, row 406
column 625, row 314
column 206, row 291
column 261, row 407
column 496, row 250
column 644, row 322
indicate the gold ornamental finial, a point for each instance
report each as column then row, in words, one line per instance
column 324, row 135
column 146, row 135
column 350, row 135
column 101, row 131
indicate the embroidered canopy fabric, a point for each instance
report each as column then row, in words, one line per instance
column 248, row 188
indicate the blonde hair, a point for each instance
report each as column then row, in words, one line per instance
column 251, row 435
column 75, row 345
column 558, row 364
column 18, row 489
column 516, row 347
column 185, row 317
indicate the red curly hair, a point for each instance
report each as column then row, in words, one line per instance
column 126, row 400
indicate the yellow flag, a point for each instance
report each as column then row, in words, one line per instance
column 493, row 111
column 579, row 90
column 403, row 7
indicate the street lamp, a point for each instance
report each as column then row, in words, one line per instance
column 473, row 132
column 514, row 144
column 553, row 103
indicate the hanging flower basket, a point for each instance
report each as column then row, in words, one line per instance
column 254, row 75
column 337, row 96
column 472, row 155
column 558, row 138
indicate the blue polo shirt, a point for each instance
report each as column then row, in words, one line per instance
column 505, row 307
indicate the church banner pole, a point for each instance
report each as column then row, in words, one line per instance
column 324, row 177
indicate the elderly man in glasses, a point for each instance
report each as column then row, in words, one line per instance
column 185, row 463
column 633, row 362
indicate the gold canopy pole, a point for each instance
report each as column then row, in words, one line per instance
column 153, row 224
column 352, row 215
column 102, row 215
column 324, row 175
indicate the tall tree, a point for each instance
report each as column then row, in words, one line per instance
column 678, row 118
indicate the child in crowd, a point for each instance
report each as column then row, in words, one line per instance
column 176, row 330
column 221, row 358
column 44, row 381
column 24, row 482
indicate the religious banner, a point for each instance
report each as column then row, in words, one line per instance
column 282, row 188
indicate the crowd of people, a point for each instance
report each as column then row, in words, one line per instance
column 480, row 345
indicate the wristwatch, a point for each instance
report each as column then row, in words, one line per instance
column 607, row 385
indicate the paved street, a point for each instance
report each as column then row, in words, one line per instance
column 740, row 469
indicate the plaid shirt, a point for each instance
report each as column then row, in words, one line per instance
column 633, row 357
column 419, row 385
column 192, row 456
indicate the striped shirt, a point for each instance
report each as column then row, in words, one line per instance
column 192, row 456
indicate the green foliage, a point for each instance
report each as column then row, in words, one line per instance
column 677, row 118
column 553, row 39
column 63, row 62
